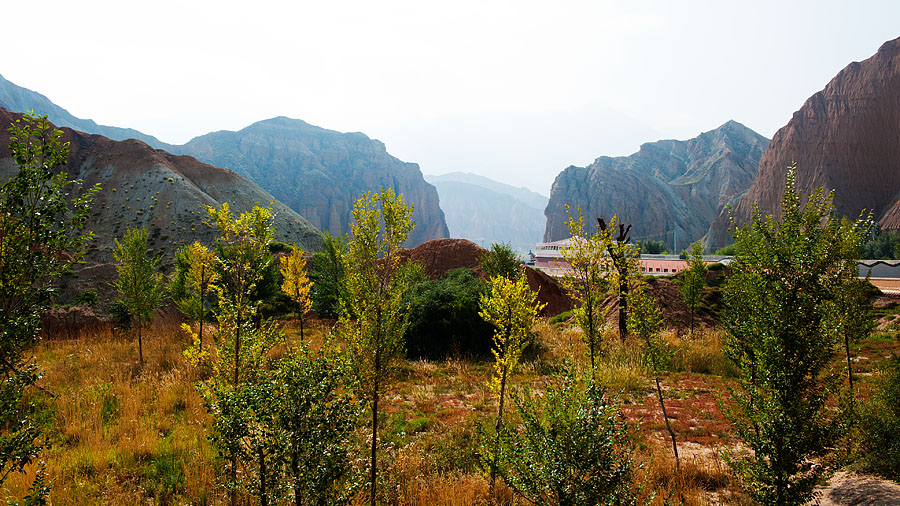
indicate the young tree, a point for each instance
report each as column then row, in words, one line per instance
column 317, row 421
column 573, row 447
column 856, row 322
column 296, row 284
column 373, row 317
column 326, row 272
column 500, row 260
column 645, row 321
column 589, row 282
column 693, row 279
column 195, row 275
column 238, row 395
column 242, row 260
column 511, row 307
column 140, row 287
column 783, row 305
column 41, row 238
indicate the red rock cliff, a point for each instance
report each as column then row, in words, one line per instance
column 845, row 138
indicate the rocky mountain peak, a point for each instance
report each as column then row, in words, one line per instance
column 668, row 189
column 843, row 138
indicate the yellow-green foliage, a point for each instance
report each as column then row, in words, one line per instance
column 199, row 278
column 200, row 275
column 296, row 283
column 373, row 318
column 511, row 308
column 589, row 279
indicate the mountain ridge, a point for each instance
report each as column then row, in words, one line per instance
column 325, row 182
column 162, row 192
column 667, row 189
column 843, row 138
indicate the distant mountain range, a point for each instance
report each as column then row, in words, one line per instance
column 487, row 211
column 318, row 173
column 668, row 191
column 165, row 194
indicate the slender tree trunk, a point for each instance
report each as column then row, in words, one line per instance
column 849, row 368
column 237, row 352
column 623, row 304
column 500, row 410
column 237, row 361
column 590, row 318
column 374, row 471
column 497, row 438
column 668, row 427
column 202, row 289
column 295, row 471
column 263, row 494
column 140, row 342
column 692, row 321
column 233, row 493
column 301, row 326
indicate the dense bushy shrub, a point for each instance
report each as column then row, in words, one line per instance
column 327, row 274
column 500, row 260
column 443, row 317
column 881, row 424
column 651, row 247
column 573, row 447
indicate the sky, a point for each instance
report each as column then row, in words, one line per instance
column 512, row 90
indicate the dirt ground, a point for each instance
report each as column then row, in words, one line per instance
column 848, row 488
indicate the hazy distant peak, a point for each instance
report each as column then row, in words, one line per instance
column 522, row 194
column 18, row 99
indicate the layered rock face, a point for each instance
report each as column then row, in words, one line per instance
column 667, row 189
column 164, row 193
column 845, row 138
column 320, row 173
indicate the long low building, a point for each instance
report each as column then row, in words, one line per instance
column 548, row 258
column 884, row 274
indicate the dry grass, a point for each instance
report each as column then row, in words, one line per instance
column 119, row 433
column 122, row 434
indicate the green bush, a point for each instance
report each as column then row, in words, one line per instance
column 880, row 424
column 327, row 273
column 500, row 260
column 573, row 447
column 443, row 318
column 561, row 317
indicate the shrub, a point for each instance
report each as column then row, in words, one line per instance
column 500, row 260
column 443, row 317
column 572, row 448
column 784, row 310
column 880, row 424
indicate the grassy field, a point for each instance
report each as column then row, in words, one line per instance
column 125, row 435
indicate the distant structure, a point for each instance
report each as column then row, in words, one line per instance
column 884, row 274
column 548, row 258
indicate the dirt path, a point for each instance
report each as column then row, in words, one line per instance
column 848, row 488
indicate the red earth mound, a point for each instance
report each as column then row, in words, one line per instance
column 439, row 256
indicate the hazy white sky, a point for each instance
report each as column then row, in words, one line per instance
column 513, row 90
